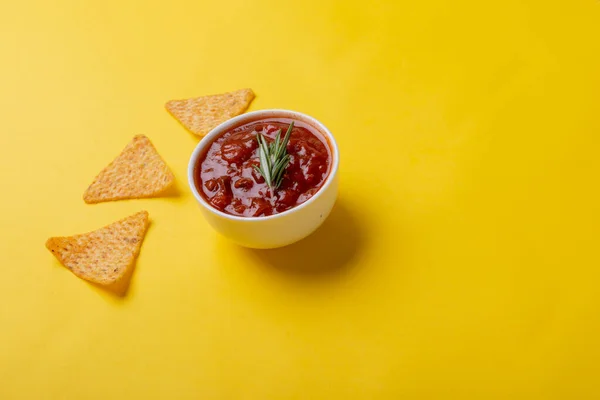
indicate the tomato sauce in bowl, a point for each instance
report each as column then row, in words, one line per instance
column 227, row 178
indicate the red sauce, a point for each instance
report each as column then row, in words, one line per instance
column 227, row 179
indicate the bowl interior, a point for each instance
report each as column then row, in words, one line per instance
column 205, row 143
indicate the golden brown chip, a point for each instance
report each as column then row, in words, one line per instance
column 104, row 255
column 199, row 115
column 137, row 172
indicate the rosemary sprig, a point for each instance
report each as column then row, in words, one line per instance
column 273, row 157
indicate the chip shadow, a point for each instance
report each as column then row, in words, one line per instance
column 172, row 191
column 329, row 251
column 119, row 288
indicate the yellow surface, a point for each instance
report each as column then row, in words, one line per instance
column 461, row 262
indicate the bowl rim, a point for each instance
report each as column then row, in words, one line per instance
column 267, row 113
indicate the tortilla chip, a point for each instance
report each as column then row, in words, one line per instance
column 105, row 255
column 201, row 114
column 138, row 172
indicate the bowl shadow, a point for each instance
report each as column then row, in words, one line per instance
column 329, row 251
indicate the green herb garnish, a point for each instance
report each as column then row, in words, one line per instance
column 273, row 157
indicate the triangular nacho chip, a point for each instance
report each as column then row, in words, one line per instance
column 137, row 172
column 105, row 255
column 199, row 115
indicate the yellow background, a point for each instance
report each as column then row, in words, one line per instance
column 460, row 262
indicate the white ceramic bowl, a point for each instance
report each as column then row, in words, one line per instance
column 280, row 229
